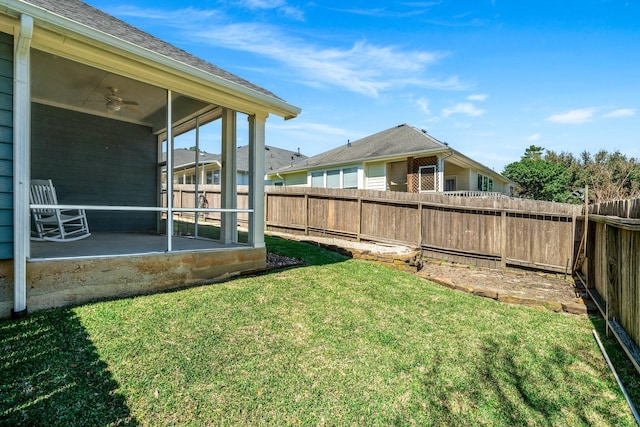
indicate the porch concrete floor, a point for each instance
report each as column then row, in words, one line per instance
column 114, row 244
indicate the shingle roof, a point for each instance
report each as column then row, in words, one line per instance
column 184, row 156
column 96, row 19
column 274, row 158
column 396, row 141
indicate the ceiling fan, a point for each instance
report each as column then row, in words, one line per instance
column 115, row 101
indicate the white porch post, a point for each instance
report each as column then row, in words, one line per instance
column 256, row 180
column 21, row 163
column 228, row 185
column 440, row 174
column 169, row 175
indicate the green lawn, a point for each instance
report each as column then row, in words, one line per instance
column 336, row 342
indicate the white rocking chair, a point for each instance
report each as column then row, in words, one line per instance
column 53, row 224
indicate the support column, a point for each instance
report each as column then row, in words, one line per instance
column 256, row 177
column 228, row 184
column 21, row 164
column 169, row 174
column 440, row 174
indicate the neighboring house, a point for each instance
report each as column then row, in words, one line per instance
column 93, row 103
column 402, row 158
column 210, row 165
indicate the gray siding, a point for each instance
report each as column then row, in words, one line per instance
column 6, row 146
column 96, row 161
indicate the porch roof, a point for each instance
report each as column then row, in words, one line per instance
column 87, row 22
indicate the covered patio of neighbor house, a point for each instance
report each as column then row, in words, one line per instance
column 96, row 107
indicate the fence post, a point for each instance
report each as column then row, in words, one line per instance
column 420, row 206
column 359, row 230
column 266, row 209
column 612, row 282
column 503, row 239
column 306, row 214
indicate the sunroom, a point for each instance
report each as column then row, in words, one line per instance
column 97, row 111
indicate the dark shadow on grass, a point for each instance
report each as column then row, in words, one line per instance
column 517, row 387
column 624, row 368
column 311, row 252
column 517, row 395
column 51, row 375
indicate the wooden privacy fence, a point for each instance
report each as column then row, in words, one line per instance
column 477, row 231
column 612, row 269
column 184, row 196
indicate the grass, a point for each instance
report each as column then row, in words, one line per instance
column 337, row 342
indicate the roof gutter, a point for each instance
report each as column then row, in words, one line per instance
column 275, row 105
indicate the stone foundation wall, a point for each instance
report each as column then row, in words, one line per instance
column 68, row 282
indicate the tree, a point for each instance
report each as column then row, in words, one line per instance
column 610, row 176
column 538, row 178
column 552, row 176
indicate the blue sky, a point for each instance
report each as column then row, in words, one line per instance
column 490, row 77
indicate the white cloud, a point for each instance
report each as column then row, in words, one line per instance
column 534, row 137
column 308, row 128
column 361, row 67
column 463, row 108
column 280, row 5
column 582, row 115
column 478, row 97
column 423, row 103
column 622, row 112
column 168, row 17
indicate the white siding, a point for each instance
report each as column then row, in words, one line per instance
column 376, row 176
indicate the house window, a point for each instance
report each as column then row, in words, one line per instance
column 317, row 179
column 209, row 177
column 350, row 177
column 216, row 177
column 450, row 183
column 333, row 178
column 485, row 183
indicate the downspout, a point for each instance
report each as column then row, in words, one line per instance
column 21, row 164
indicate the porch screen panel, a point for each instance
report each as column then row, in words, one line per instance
column 398, row 176
column 97, row 161
column 6, row 146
